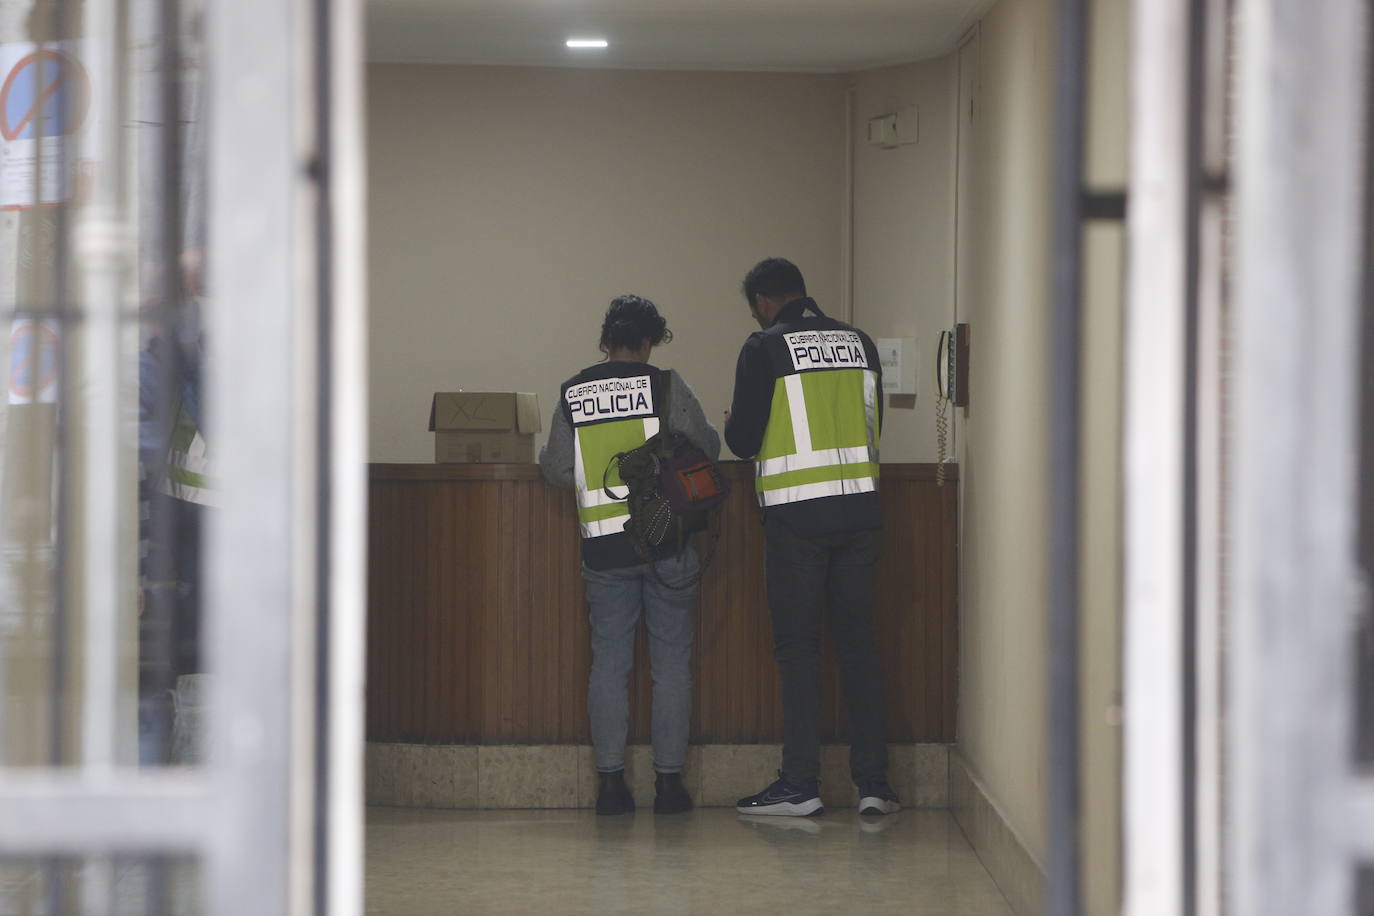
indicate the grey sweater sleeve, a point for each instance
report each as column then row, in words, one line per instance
column 689, row 419
column 556, row 457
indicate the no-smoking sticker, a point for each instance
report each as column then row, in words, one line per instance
column 33, row 362
column 45, row 107
column 47, row 94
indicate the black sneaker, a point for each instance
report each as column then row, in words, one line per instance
column 877, row 797
column 670, row 795
column 614, row 796
column 783, row 798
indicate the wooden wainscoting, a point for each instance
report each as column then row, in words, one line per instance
column 478, row 633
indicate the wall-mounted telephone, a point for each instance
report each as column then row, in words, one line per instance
column 951, row 365
column 951, row 382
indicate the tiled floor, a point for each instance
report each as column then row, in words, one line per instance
column 709, row 861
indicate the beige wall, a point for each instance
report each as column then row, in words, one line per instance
column 509, row 205
column 904, row 234
column 1106, row 167
column 1005, row 170
column 555, row 190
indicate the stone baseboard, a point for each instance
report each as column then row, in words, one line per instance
column 564, row 776
column 1020, row 878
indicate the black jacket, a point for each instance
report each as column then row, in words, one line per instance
column 762, row 361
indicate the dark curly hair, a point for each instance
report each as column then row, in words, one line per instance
column 630, row 322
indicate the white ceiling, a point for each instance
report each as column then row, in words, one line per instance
column 784, row 35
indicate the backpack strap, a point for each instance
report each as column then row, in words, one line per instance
column 667, row 400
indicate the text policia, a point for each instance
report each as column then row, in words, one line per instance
column 826, row 350
column 612, row 398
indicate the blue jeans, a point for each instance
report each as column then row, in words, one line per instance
column 616, row 597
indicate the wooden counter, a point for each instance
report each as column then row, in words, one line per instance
column 478, row 633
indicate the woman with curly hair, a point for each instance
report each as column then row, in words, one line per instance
column 609, row 408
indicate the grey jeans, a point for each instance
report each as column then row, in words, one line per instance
column 616, row 597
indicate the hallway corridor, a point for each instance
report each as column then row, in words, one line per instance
column 711, row 861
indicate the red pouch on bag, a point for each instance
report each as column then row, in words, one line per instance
column 692, row 482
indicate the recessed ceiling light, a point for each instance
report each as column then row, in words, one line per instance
column 585, row 43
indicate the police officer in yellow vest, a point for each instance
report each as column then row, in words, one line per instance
column 176, row 489
column 606, row 409
column 807, row 409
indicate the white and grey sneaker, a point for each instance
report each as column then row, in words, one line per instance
column 783, row 798
column 877, row 797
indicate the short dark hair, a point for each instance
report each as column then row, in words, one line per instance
column 629, row 322
column 775, row 277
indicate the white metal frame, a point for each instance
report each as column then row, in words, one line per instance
column 1155, row 437
column 260, row 548
column 347, row 537
column 248, row 815
column 1299, row 817
column 1212, row 455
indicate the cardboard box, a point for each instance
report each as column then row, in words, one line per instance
column 473, row 427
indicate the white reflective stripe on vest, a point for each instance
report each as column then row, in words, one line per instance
column 871, row 406
column 189, row 461
column 801, row 424
column 589, row 499
column 190, row 493
column 806, row 458
column 604, row 527
column 592, row 494
column 796, row 404
column 579, row 471
column 819, row 459
column 197, row 448
column 817, row 490
column 187, row 470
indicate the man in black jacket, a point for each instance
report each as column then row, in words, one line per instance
column 807, row 409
